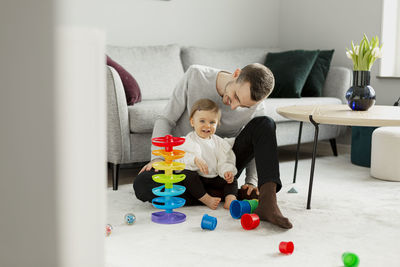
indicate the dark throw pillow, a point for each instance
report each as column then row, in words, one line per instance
column 131, row 87
column 316, row 79
column 290, row 69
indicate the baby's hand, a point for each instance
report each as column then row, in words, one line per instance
column 228, row 177
column 201, row 164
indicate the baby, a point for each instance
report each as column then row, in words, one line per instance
column 209, row 159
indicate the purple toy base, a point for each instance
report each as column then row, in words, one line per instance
column 168, row 218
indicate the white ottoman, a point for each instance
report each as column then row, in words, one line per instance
column 385, row 153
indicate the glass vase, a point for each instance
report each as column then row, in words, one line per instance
column 361, row 96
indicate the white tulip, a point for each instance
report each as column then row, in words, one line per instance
column 376, row 52
column 357, row 49
column 349, row 54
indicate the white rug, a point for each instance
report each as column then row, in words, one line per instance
column 350, row 211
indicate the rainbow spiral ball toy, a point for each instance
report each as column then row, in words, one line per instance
column 167, row 194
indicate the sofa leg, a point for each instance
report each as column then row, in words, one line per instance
column 333, row 146
column 115, row 175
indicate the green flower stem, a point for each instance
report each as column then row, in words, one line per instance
column 362, row 55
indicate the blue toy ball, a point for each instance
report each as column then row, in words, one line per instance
column 130, row 218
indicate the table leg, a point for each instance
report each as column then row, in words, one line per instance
column 297, row 152
column 313, row 161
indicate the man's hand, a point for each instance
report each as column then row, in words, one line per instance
column 228, row 177
column 201, row 164
column 148, row 166
column 250, row 188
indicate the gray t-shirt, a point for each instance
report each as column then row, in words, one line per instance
column 201, row 82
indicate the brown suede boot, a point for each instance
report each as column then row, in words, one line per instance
column 268, row 209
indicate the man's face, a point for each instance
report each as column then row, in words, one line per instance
column 238, row 95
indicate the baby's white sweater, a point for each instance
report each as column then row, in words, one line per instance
column 216, row 152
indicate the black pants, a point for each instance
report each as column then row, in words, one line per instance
column 256, row 140
column 198, row 186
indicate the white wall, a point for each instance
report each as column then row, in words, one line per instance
column 207, row 23
column 81, row 146
column 52, row 141
column 316, row 24
column 390, row 28
column 28, row 223
column 291, row 24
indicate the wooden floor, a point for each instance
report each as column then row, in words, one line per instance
column 286, row 153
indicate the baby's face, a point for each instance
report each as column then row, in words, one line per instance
column 204, row 123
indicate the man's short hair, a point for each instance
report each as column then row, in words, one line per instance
column 261, row 80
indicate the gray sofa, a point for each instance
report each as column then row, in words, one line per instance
column 157, row 70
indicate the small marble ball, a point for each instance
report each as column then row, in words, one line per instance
column 130, row 218
column 109, row 229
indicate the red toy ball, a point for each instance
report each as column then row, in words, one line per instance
column 286, row 247
column 109, row 229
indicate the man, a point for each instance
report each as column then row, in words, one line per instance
column 239, row 96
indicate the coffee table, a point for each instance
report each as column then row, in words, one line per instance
column 376, row 116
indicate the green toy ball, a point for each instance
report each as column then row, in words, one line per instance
column 350, row 259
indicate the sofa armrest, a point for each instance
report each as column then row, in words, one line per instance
column 118, row 133
column 337, row 82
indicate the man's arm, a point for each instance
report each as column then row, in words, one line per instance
column 226, row 159
column 251, row 173
column 173, row 111
column 192, row 150
column 251, row 179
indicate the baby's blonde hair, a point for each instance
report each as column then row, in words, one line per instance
column 205, row 104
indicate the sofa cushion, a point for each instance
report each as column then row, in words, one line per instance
column 132, row 90
column 271, row 104
column 337, row 82
column 291, row 69
column 143, row 115
column 229, row 59
column 157, row 69
column 316, row 78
